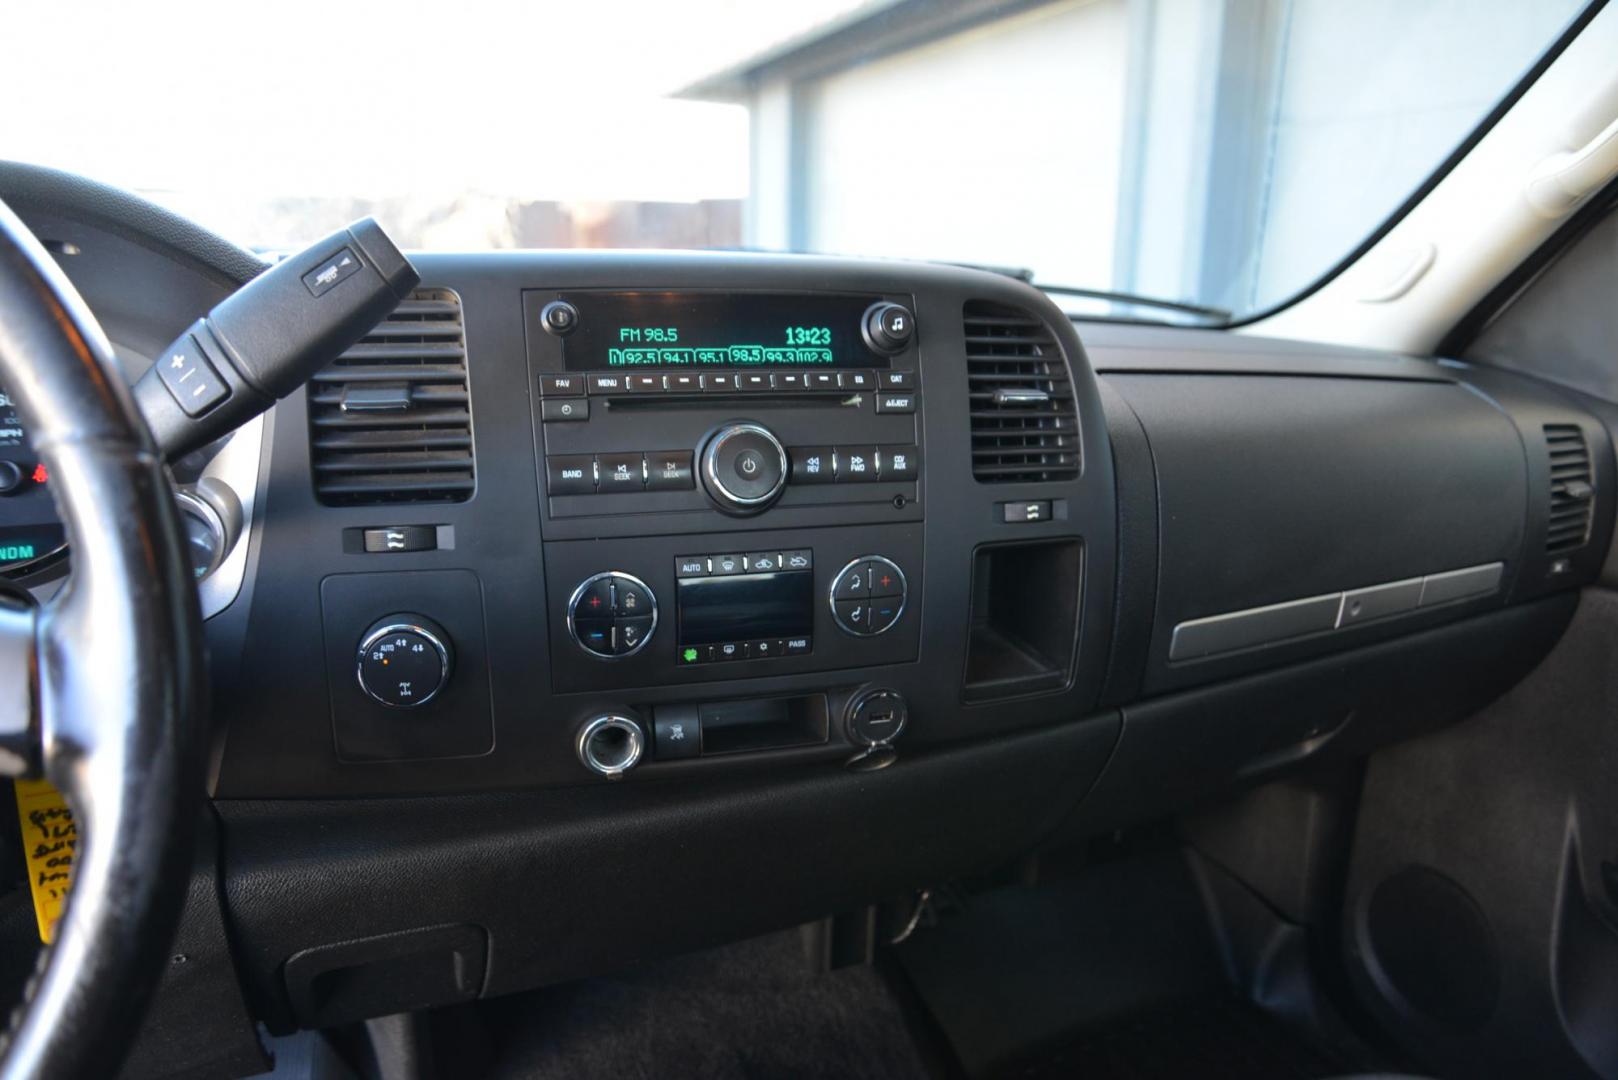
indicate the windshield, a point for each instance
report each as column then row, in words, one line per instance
column 1219, row 156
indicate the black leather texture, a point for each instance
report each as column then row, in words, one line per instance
column 120, row 675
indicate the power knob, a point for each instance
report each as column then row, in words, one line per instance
column 744, row 468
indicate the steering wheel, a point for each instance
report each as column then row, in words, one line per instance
column 101, row 689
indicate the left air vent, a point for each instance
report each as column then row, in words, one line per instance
column 390, row 421
column 1572, row 507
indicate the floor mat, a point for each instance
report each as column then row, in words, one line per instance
column 751, row 1010
column 1210, row 1039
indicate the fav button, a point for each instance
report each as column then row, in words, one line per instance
column 561, row 386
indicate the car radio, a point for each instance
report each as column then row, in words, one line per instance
column 659, row 402
column 668, row 423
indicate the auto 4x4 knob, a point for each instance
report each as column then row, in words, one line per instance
column 744, row 468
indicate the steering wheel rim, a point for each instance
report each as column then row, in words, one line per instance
column 102, row 688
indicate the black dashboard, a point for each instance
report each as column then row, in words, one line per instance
column 650, row 600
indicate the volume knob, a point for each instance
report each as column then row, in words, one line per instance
column 744, row 468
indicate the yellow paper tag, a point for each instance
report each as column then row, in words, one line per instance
column 50, row 839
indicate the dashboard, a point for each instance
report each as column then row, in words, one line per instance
column 610, row 604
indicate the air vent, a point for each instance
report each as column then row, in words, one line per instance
column 1024, row 427
column 1572, row 495
column 390, row 421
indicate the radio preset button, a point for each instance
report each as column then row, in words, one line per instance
column 722, row 382
column 753, row 380
column 669, row 470
column 788, row 380
column 686, row 382
column 570, row 474
column 822, row 380
column 645, row 383
column 620, row 472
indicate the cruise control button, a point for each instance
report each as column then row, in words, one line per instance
column 889, row 402
column 620, row 472
column 813, row 464
column 570, row 474
column 630, row 599
column 853, row 615
column 856, row 463
column 899, row 463
column 631, row 634
column 669, row 470
column 726, row 564
column 564, row 409
column 691, row 566
column 884, row 611
column 853, row 583
column 561, row 386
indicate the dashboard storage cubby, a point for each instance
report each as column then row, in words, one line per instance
column 1023, row 632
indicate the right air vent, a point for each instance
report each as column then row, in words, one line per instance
column 1572, row 503
column 1024, row 424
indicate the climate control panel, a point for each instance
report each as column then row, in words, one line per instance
column 612, row 615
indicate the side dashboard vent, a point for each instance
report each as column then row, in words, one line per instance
column 1024, row 424
column 1572, row 509
column 390, row 420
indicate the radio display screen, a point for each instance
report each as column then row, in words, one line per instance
column 716, row 610
column 674, row 330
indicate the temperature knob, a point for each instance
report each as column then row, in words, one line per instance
column 404, row 661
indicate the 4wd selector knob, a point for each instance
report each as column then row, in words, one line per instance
column 404, row 661
column 744, row 468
